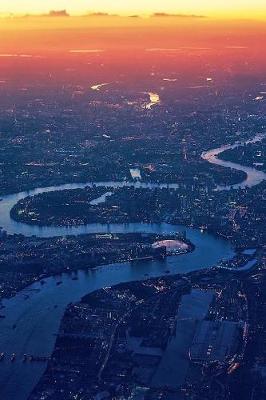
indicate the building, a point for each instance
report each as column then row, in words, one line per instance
column 214, row 341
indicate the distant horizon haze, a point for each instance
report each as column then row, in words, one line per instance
column 209, row 8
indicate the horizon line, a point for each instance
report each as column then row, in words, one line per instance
column 64, row 14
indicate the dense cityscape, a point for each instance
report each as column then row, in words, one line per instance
column 132, row 209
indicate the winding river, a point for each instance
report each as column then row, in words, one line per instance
column 33, row 315
column 253, row 176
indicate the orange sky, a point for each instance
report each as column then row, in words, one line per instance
column 24, row 34
column 109, row 46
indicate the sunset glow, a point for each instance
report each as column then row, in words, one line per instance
column 237, row 8
column 132, row 199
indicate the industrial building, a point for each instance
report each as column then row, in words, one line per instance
column 214, row 341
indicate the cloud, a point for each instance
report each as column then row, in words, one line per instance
column 58, row 13
column 100, row 14
column 163, row 15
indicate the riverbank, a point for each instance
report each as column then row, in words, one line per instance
column 27, row 260
column 148, row 327
column 35, row 312
column 252, row 155
column 33, row 315
column 253, row 176
column 56, row 182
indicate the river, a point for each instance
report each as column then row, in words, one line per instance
column 254, row 176
column 33, row 310
column 154, row 100
column 33, row 315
